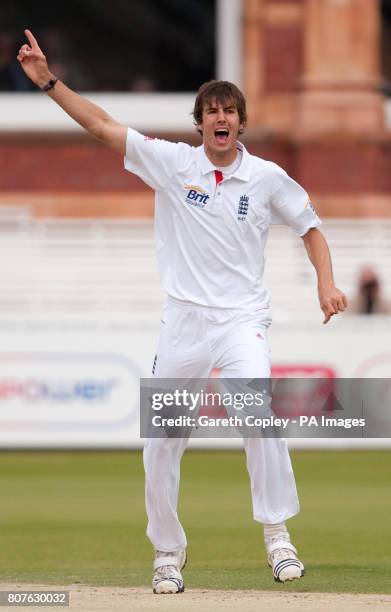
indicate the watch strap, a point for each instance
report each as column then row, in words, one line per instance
column 50, row 84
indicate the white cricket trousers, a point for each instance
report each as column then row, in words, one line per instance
column 193, row 340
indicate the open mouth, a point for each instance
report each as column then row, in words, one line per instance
column 221, row 135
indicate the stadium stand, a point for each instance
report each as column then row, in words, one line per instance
column 109, row 265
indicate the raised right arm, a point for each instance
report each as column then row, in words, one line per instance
column 90, row 116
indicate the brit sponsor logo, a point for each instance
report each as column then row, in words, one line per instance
column 243, row 207
column 196, row 196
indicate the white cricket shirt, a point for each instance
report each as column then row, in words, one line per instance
column 210, row 237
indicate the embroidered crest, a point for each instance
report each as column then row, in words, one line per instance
column 243, row 207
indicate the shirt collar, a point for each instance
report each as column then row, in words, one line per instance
column 242, row 173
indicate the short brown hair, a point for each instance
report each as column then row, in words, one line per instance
column 221, row 92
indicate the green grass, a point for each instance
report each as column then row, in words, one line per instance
column 79, row 517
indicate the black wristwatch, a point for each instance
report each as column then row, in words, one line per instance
column 50, row 84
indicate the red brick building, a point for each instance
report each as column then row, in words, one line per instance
column 312, row 76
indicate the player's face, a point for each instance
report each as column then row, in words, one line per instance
column 220, row 127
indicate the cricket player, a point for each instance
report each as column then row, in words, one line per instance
column 214, row 205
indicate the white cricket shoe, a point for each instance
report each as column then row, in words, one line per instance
column 282, row 558
column 168, row 578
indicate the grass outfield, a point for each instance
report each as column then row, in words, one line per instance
column 79, row 517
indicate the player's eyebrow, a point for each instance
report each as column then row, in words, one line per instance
column 213, row 107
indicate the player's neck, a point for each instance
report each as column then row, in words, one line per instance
column 221, row 158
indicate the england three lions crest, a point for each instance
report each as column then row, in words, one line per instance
column 243, row 207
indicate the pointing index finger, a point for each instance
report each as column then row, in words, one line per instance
column 32, row 40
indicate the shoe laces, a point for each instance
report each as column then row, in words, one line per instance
column 281, row 553
column 167, row 571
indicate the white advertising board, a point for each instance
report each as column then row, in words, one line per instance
column 74, row 382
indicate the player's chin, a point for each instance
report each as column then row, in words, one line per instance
column 223, row 146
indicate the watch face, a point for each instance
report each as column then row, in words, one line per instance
column 50, row 84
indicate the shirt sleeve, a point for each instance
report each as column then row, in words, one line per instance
column 291, row 205
column 153, row 160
